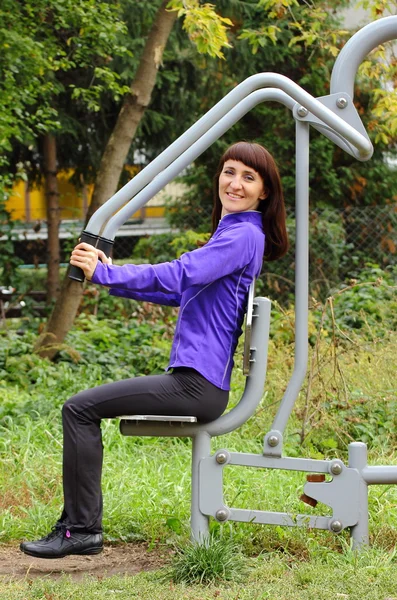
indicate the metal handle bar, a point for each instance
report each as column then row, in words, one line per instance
column 187, row 157
column 255, row 82
column 355, row 50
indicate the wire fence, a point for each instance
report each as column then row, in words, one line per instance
column 342, row 242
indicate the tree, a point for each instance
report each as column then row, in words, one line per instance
column 288, row 34
column 64, row 67
column 303, row 50
column 117, row 147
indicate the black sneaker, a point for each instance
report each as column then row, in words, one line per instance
column 63, row 542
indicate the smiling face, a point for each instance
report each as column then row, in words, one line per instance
column 240, row 188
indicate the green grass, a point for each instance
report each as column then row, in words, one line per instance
column 371, row 576
column 146, row 481
column 217, row 560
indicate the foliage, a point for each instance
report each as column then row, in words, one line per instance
column 91, row 355
column 8, row 260
column 368, row 575
column 352, row 395
column 165, row 247
column 369, row 302
column 155, row 248
column 204, row 26
column 67, row 48
column 356, row 320
column 335, row 178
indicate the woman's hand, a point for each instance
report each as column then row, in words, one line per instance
column 86, row 257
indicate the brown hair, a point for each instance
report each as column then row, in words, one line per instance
column 272, row 207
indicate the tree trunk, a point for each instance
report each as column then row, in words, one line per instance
column 132, row 110
column 53, row 217
column 112, row 163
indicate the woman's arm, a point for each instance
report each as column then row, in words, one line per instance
column 235, row 248
column 86, row 257
column 155, row 297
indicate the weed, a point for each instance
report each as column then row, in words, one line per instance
column 216, row 559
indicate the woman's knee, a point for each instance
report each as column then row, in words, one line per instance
column 74, row 406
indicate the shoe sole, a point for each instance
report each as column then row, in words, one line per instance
column 87, row 552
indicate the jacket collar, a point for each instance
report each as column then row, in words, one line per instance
column 252, row 216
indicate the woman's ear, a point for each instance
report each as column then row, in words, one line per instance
column 264, row 195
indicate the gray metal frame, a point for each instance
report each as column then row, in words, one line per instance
column 249, row 319
column 336, row 117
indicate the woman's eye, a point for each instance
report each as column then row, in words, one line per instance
column 249, row 178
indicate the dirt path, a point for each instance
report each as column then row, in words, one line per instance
column 127, row 559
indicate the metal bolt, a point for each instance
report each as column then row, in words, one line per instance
column 222, row 514
column 221, row 458
column 336, row 526
column 341, row 102
column 336, row 468
column 273, row 440
column 302, row 111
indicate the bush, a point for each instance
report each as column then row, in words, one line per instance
column 94, row 353
column 368, row 303
column 168, row 246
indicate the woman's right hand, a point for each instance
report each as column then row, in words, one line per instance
column 86, row 257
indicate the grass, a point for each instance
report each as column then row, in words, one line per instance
column 218, row 559
column 146, row 481
column 370, row 576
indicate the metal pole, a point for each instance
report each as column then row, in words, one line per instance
column 187, row 157
column 199, row 523
column 358, row 460
column 255, row 82
column 380, row 474
column 356, row 49
column 301, row 277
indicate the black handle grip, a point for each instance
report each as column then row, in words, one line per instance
column 76, row 273
column 105, row 245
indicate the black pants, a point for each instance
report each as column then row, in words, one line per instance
column 182, row 392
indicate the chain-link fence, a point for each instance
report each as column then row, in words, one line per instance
column 342, row 242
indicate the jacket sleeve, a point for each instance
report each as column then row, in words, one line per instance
column 230, row 251
column 155, row 297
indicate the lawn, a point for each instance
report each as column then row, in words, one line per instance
column 350, row 394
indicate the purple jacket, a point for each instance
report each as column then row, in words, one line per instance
column 209, row 284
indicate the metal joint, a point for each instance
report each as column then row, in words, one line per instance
column 336, row 526
column 223, row 514
column 336, row 468
column 222, row 457
column 273, row 441
column 341, row 102
column 302, row 111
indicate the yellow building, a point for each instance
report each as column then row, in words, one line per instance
column 28, row 203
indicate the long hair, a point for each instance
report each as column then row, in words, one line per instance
column 272, row 207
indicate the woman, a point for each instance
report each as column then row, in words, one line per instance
column 210, row 285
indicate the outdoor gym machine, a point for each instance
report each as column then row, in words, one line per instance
column 335, row 116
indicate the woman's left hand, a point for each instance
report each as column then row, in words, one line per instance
column 86, row 257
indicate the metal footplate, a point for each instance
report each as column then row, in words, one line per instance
column 341, row 493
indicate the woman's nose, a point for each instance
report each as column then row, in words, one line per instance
column 236, row 183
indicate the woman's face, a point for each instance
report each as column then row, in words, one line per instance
column 240, row 188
